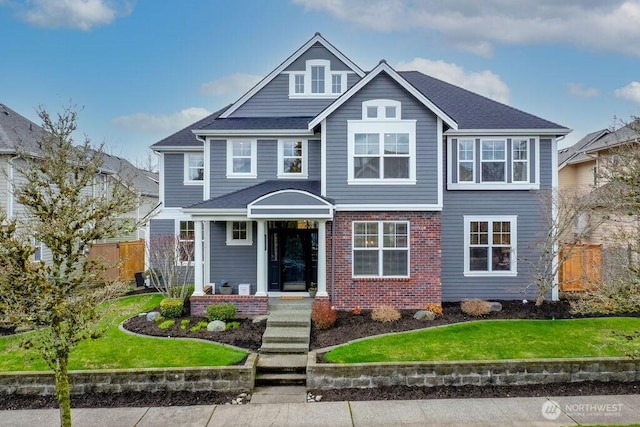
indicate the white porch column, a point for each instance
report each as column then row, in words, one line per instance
column 261, row 260
column 197, row 260
column 322, row 259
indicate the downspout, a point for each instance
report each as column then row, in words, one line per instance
column 333, row 264
column 10, row 185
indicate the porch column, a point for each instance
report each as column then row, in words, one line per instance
column 322, row 259
column 261, row 260
column 198, row 278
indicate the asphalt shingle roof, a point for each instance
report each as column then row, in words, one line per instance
column 575, row 153
column 17, row 131
column 241, row 198
column 473, row 111
column 185, row 137
column 599, row 140
column 258, row 123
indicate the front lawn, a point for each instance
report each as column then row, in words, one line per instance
column 499, row 339
column 114, row 349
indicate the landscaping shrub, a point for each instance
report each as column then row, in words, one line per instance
column 385, row 314
column 475, row 307
column 435, row 308
column 172, row 307
column 184, row 323
column 322, row 314
column 199, row 326
column 224, row 312
column 159, row 319
column 167, row 324
column 232, row 325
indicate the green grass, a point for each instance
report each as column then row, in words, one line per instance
column 115, row 349
column 496, row 340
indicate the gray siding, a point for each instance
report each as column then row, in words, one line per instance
column 235, row 264
column 267, row 165
column 530, row 229
column 176, row 194
column 425, row 191
column 273, row 99
column 162, row 226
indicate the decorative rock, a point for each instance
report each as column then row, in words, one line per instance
column 495, row 306
column 216, row 326
column 420, row 314
column 259, row 319
column 142, row 314
column 151, row 316
column 318, row 398
column 430, row 315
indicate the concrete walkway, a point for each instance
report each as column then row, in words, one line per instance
column 526, row 411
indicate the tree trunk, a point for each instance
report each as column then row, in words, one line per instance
column 63, row 393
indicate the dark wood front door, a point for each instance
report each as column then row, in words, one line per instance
column 293, row 259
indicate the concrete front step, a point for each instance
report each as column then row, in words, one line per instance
column 281, row 379
column 289, row 319
column 282, row 362
column 277, row 334
column 289, row 394
column 284, row 348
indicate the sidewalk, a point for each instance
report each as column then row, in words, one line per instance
column 523, row 411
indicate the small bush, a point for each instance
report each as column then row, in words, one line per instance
column 159, row 319
column 232, row 325
column 385, row 314
column 224, row 312
column 475, row 307
column 167, row 324
column 322, row 314
column 184, row 323
column 435, row 308
column 172, row 307
column 199, row 326
column 356, row 310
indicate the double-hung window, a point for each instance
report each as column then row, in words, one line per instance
column 194, row 168
column 186, row 242
column 466, row 160
column 380, row 249
column 292, row 158
column 241, row 158
column 317, row 80
column 520, row 156
column 381, row 146
column 490, row 245
column 493, row 160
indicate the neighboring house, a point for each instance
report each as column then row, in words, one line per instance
column 382, row 187
column 19, row 133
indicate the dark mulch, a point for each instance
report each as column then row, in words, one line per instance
column 248, row 335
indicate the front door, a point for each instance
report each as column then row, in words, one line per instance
column 293, row 259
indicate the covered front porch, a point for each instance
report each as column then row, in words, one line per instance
column 274, row 245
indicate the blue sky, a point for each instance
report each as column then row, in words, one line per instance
column 143, row 69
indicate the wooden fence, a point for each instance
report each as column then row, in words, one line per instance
column 581, row 267
column 126, row 257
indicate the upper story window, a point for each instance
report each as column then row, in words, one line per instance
column 490, row 245
column 493, row 163
column 193, row 168
column 381, row 146
column 242, row 159
column 292, row 158
column 317, row 80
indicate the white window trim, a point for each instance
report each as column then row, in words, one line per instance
column 239, row 242
column 187, row 180
column 305, row 163
column 176, row 223
column 534, row 143
column 328, row 80
column 381, row 127
column 513, row 219
column 254, row 156
column 473, row 159
column 380, row 105
column 39, row 248
column 505, row 161
column 380, row 249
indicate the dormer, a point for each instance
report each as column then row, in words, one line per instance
column 317, row 80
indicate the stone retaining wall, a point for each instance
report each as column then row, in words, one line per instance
column 225, row 379
column 429, row 374
column 248, row 305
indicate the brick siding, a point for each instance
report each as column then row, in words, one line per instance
column 248, row 305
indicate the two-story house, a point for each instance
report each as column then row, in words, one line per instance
column 381, row 187
column 19, row 135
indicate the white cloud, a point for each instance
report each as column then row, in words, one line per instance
column 609, row 25
column 234, row 84
column 484, row 82
column 630, row 92
column 75, row 14
column 160, row 123
column 582, row 91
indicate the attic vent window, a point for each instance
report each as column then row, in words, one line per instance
column 317, row 80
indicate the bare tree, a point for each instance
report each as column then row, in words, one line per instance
column 149, row 162
column 170, row 257
column 60, row 297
